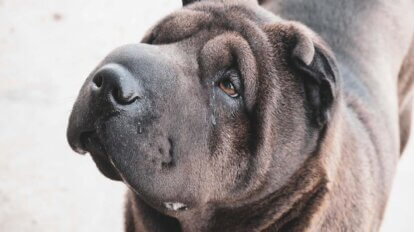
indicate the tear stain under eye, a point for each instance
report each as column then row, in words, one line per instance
column 139, row 128
column 212, row 104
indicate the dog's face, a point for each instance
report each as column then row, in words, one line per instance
column 219, row 103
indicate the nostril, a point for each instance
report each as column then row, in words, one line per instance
column 124, row 98
column 98, row 80
column 115, row 83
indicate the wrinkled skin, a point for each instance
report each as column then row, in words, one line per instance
column 197, row 144
column 155, row 115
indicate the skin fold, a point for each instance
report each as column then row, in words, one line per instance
column 239, row 116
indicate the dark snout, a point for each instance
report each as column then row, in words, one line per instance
column 138, row 114
column 110, row 88
column 115, row 89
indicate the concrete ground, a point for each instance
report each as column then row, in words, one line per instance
column 47, row 48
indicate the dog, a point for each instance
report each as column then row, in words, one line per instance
column 241, row 115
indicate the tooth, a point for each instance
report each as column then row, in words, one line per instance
column 175, row 206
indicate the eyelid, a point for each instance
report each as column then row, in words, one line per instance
column 233, row 76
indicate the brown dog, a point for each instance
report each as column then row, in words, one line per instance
column 231, row 117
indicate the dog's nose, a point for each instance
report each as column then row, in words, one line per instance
column 125, row 84
column 116, row 82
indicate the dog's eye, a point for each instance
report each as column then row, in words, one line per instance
column 228, row 87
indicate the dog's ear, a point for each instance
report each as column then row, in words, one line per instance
column 314, row 63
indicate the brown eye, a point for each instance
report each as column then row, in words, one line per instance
column 228, row 87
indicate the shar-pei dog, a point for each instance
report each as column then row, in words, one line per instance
column 238, row 115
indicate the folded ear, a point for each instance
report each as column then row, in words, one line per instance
column 313, row 61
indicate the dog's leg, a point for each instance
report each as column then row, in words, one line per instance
column 406, row 96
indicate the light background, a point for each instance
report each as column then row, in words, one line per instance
column 47, row 48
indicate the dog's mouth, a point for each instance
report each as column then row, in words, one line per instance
column 91, row 143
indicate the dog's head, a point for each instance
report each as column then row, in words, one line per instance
column 220, row 102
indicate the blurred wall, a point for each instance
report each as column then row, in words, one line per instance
column 47, row 48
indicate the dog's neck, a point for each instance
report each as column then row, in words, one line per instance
column 290, row 207
column 293, row 207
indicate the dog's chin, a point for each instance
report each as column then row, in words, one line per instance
column 106, row 167
column 94, row 146
column 118, row 155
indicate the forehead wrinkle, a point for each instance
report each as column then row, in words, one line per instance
column 225, row 49
column 251, row 32
column 202, row 16
column 178, row 26
column 231, row 17
column 234, row 18
column 219, row 9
